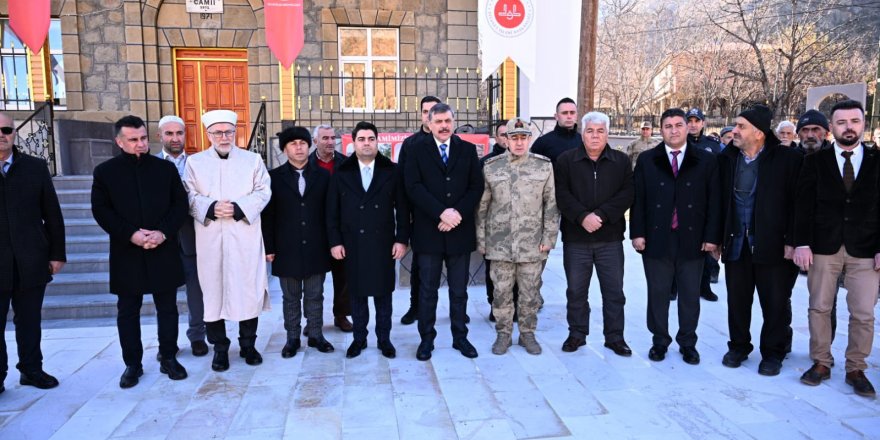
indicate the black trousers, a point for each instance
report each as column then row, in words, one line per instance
column 26, row 306
column 772, row 281
column 247, row 334
column 659, row 274
column 415, row 282
column 341, row 303
column 128, row 323
column 360, row 317
column 430, row 269
column 490, row 286
column 578, row 260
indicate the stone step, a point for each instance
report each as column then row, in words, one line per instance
column 82, row 226
column 87, row 262
column 78, row 244
column 101, row 305
column 78, row 283
column 66, row 196
column 76, row 210
column 72, row 182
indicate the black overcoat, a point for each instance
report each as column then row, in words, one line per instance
column 294, row 225
column 34, row 221
column 367, row 224
column 130, row 193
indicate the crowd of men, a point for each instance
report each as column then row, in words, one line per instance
column 756, row 199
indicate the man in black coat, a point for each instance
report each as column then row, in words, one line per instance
column 837, row 228
column 295, row 237
column 758, row 183
column 675, row 220
column 368, row 228
column 696, row 128
column 139, row 200
column 31, row 251
column 444, row 183
column 565, row 135
column 425, row 106
column 327, row 158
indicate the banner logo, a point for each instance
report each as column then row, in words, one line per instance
column 510, row 18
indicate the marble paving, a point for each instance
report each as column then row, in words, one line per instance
column 584, row 395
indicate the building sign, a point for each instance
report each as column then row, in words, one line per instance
column 507, row 29
column 204, row 6
column 389, row 143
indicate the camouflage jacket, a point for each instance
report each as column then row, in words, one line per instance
column 637, row 147
column 517, row 212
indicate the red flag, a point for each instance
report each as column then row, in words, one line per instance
column 284, row 29
column 29, row 19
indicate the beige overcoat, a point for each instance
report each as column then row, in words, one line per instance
column 230, row 254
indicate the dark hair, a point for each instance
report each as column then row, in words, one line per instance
column 848, row 104
column 429, row 98
column 440, row 108
column 499, row 124
column 364, row 125
column 565, row 100
column 672, row 113
column 129, row 121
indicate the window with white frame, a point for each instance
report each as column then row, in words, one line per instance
column 369, row 62
column 15, row 84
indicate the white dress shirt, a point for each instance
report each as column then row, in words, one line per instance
column 856, row 158
column 680, row 156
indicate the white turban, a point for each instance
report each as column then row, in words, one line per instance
column 170, row 118
column 217, row 116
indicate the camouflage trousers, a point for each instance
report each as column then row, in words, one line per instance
column 528, row 277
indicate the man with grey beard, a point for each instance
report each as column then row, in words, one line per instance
column 812, row 129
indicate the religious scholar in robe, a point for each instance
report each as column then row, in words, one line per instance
column 228, row 188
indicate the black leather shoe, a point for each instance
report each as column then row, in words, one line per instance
column 411, row 316
column 321, row 344
column 39, row 379
column 2, row 388
column 657, row 353
column 690, row 355
column 424, row 351
column 619, row 348
column 130, row 376
column 251, row 356
column 861, row 385
column 199, row 348
column 464, row 346
column 467, row 319
column 290, row 348
column 769, row 367
column 572, row 343
column 306, row 332
column 173, row 369
column 491, row 317
column 734, row 358
column 221, row 361
column 354, row 350
column 388, row 349
column 709, row 296
column 815, row 375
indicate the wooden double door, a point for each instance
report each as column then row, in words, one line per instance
column 211, row 79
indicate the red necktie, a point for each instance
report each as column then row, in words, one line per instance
column 675, row 173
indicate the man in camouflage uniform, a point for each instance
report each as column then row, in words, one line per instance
column 517, row 222
column 643, row 143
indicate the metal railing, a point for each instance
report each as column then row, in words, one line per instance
column 36, row 135
column 324, row 96
column 259, row 140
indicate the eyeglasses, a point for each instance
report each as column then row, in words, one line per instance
column 6, row 130
column 221, row 134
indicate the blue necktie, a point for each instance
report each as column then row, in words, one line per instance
column 366, row 177
column 4, row 167
column 443, row 156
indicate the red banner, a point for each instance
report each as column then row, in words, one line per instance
column 284, row 29
column 389, row 143
column 29, row 19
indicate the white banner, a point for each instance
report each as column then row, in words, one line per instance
column 508, row 29
column 204, row 6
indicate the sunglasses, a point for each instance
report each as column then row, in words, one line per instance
column 6, row 130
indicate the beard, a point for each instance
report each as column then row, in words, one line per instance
column 848, row 142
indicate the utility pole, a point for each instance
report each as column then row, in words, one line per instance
column 587, row 63
column 875, row 111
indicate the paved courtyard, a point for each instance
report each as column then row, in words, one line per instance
column 588, row 394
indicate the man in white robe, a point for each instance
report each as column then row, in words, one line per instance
column 228, row 188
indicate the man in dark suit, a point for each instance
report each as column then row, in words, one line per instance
column 139, row 200
column 31, row 251
column 444, row 183
column 758, row 188
column 838, row 228
column 327, row 158
column 675, row 220
column 425, row 106
column 172, row 135
column 368, row 228
column 295, row 237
